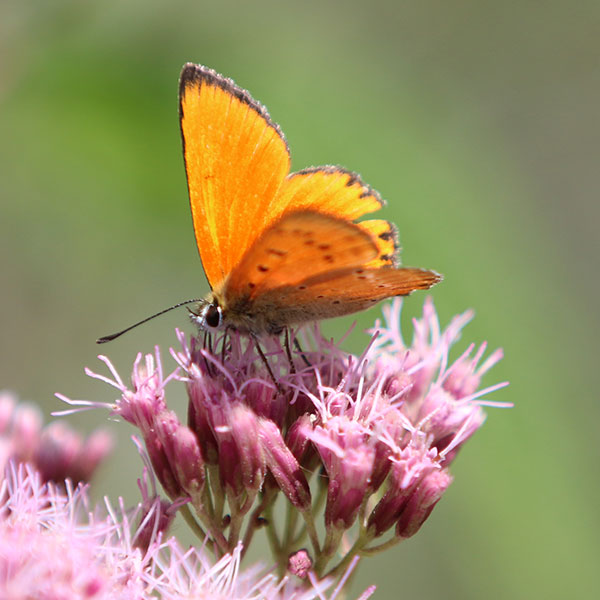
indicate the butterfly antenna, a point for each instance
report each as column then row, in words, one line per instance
column 109, row 338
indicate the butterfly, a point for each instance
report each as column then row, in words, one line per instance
column 278, row 248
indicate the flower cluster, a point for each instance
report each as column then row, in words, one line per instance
column 359, row 444
column 52, row 547
column 56, row 451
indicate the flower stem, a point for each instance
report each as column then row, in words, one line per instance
column 341, row 567
column 312, row 531
column 332, row 540
column 267, row 499
column 186, row 513
column 274, row 542
column 381, row 547
column 291, row 520
column 217, row 491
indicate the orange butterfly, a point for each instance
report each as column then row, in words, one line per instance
column 278, row 249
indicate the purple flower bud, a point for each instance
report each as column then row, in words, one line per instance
column 265, row 401
column 58, row 449
column 409, row 469
column 284, row 467
column 300, row 563
column 241, row 458
column 422, row 501
column 189, row 465
column 199, row 422
column 161, row 464
column 348, row 457
column 182, row 452
column 147, row 396
column 298, row 441
column 155, row 519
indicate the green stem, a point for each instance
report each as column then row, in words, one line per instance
column 312, row 532
column 381, row 547
column 266, row 501
column 341, row 567
column 274, row 542
column 213, row 528
column 321, row 496
column 217, row 492
column 332, row 541
column 186, row 513
column 291, row 519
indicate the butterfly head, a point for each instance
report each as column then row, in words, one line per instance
column 207, row 314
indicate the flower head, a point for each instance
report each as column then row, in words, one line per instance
column 56, row 451
column 363, row 442
column 53, row 546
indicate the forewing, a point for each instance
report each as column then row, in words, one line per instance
column 301, row 245
column 236, row 160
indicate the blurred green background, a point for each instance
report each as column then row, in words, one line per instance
column 478, row 122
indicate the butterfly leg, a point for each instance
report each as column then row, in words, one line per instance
column 207, row 343
column 299, row 348
column 224, row 345
column 265, row 361
column 288, row 350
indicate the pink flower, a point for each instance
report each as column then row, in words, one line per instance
column 363, row 443
column 52, row 546
column 56, row 451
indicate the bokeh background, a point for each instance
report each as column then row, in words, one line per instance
column 478, row 122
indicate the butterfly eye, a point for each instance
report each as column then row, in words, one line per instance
column 213, row 317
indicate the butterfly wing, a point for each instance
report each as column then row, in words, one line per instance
column 329, row 189
column 340, row 193
column 236, row 159
column 309, row 266
column 338, row 293
column 343, row 292
column 300, row 245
